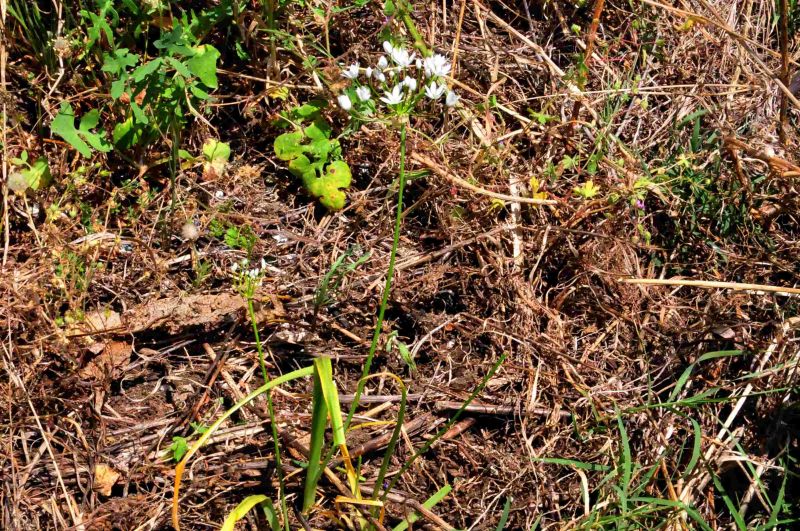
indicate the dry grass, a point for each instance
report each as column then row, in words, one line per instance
column 677, row 123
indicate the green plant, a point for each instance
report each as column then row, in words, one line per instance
column 34, row 176
column 216, row 156
column 82, row 138
column 314, row 156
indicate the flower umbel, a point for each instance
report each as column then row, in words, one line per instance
column 344, row 102
column 395, row 97
column 401, row 57
column 434, row 91
column 363, row 93
column 351, row 72
column 436, row 66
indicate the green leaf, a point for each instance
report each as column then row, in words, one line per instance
column 146, row 69
column 328, row 188
column 126, row 134
column 64, row 126
column 216, row 155
column 213, row 150
column 241, row 511
column 288, row 146
column 179, row 447
column 204, row 64
column 35, row 177
column 119, row 62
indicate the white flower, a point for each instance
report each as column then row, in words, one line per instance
column 363, row 93
column 377, row 74
column 368, row 72
column 418, row 63
column 401, row 57
column 411, row 83
column 382, row 63
column 394, row 97
column 451, row 98
column 436, row 66
column 351, row 72
column 434, row 91
column 263, row 264
column 344, row 102
column 219, row 194
column 387, row 47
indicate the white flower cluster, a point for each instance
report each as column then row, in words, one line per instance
column 426, row 74
column 241, row 270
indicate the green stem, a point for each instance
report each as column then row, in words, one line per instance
column 398, row 220
column 419, row 42
column 273, row 424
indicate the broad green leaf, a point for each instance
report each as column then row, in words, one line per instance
column 241, row 511
column 146, row 69
column 119, row 62
column 328, row 187
column 126, row 134
column 213, row 150
column 179, row 448
column 117, row 88
column 319, row 130
column 204, row 64
column 35, row 177
column 289, row 146
column 64, row 126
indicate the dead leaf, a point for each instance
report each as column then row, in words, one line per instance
column 105, row 478
column 108, row 364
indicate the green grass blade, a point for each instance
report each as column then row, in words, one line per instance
column 571, row 462
column 737, row 518
column 271, row 514
column 241, row 510
column 772, row 523
column 319, row 421
column 690, row 511
column 448, row 424
column 625, row 463
column 684, row 377
column 299, row 373
column 501, row 525
column 428, row 504
column 696, row 448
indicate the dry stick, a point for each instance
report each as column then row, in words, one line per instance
column 739, row 286
column 3, row 60
column 442, row 172
column 702, row 479
column 488, row 409
column 784, row 68
column 741, row 40
column 576, row 108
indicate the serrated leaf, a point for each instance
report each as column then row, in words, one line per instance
column 204, row 64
